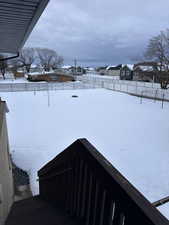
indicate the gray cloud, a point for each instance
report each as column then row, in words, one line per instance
column 100, row 31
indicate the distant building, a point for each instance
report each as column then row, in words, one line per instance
column 73, row 70
column 145, row 71
column 101, row 70
column 66, row 67
column 89, row 69
column 126, row 72
column 35, row 68
column 113, row 70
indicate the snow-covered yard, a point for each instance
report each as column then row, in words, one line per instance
column 133, row 136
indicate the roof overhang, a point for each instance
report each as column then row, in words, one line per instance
column 17, row 19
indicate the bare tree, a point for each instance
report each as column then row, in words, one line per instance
column 158, row 51
column 14, row 64
column 3, row 66
column 56, row 61
column 48, row 58
column 27, row 58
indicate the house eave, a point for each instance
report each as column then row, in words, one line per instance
column 17, row 20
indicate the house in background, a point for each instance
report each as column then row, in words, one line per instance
column 65, row 69
column 72, row 70
column 145, row 71
column 126, row 72
column 89, row 69
column 36, row 68
column 113, row 70
column 101, row 70
column 78, row 70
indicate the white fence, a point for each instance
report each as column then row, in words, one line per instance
column 113, row 79
column 13, row 87
column 132, row 87
column 89, row 82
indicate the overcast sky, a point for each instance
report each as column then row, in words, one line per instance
column 100, row 31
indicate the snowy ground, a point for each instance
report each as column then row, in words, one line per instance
column 14, row 81
column 164, row 209
column 133, row 136
column 97, row 75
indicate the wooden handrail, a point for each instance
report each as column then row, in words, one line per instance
column 94, row 190
column 161, row 201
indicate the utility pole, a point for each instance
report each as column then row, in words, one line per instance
column 75, row 65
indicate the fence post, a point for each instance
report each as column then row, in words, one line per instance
column 155, row 95
column 136, row 87
column 48, row 98
column 163, row 101
column 141, row 97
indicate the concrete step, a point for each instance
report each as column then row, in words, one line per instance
column 35, row 211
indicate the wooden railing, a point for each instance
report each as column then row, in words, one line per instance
column 86, row 185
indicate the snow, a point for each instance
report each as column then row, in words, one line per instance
column 90, row 69
column 34, row 66
column 94, row 75
column 18, row 80
column 40, row 73
column 132, row 136
column 66, row 67
column 146, row 68
column 35, row 73
column 110, row 66
column 130, row 66
column 164, row 209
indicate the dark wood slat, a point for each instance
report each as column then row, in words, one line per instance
column 84, row 191
column 95, row 203
column 89, row 199
column 71, row 192
column 112, row 212
column 80, row 188
column 68, row 198
column 102, row 208
column 76, row 184
column 122, row 219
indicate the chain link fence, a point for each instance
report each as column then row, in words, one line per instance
column 144, row 89
column 14, row 87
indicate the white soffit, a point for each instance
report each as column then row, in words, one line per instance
column 17, row 19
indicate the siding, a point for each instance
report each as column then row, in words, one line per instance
column 113, row 72
column 6, row 180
